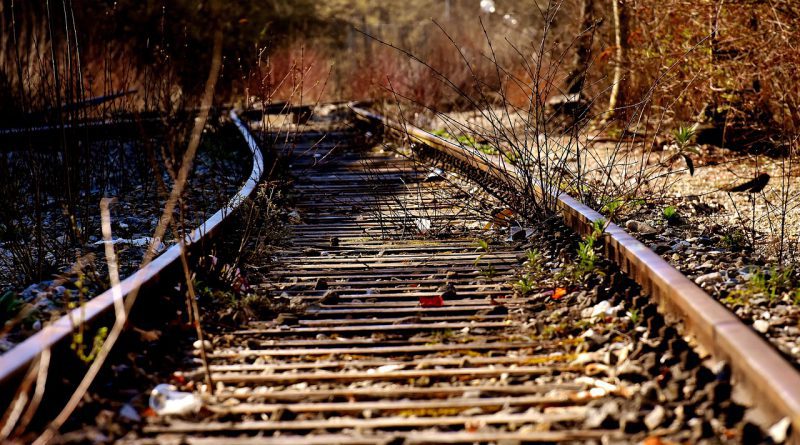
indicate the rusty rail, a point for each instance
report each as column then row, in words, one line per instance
column 771, row 381
column 15, row 361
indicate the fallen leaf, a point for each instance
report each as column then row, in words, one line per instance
column 495, row 302
column 558, row 293
column 431, row 301
column 148, row 336
column 149, row 412
column 500, row 219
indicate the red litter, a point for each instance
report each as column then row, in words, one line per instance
column 431, row 301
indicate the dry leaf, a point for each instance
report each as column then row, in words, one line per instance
column 148, row 336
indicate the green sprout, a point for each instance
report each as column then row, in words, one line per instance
column 670, row 214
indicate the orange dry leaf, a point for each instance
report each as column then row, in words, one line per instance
column 559, row 292
column 500, row 219
column 149, row 412
column 148, row 336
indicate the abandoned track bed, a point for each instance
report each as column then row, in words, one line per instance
column 412, row 316
column 406, row 330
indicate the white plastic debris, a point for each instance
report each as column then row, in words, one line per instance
column 423, row 224
column 600, row 308
column 604, row 308
column 435, row 173
column 166, row 400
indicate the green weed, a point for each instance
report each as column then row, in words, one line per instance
column 670, row 213
column 772, row 283
column 468, row 141
column 587, row 253
column 734, row 239
column 684, row 140
column 10, row 306
column 525, row 285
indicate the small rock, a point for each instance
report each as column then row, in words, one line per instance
column 330, row 297
column 709, row 278
column 631, row 424
column 447, row 291
column 320, row 284
column 5, row 345
column 680, row 246
column 655, row 418
column 660, row 248
column 596, row 418
column 779, row 431
column 206, row 345
column 129, row 412
column 640, row 227
column 761, row 326
column 519, row 234
column 286, row 319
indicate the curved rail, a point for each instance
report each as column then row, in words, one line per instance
column 16, row 360
column 771, row 381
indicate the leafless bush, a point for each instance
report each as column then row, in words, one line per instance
column 532, row 116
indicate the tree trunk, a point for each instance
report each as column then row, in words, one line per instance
column 583, row 49
column 620, row 54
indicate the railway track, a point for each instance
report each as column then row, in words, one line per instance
column 413, row 331
column 418, row 319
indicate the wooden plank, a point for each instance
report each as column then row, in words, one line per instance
column 398, row 257
column 405, row 284
column 379, row 350
column 422, row 363
column 471, row 373
column 400, row 391
column 407, row 305
column 399, row 274
column 418, row 327
column 386, row 294
column 496, row 403
column 349, row 422
column 401, row 320
column 378, row 312
column 427, row 437
column 408, row 438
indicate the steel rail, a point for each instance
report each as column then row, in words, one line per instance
column 19, row 358
column 771, row 381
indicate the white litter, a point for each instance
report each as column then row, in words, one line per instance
column 423, row 224
column 166, row 400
